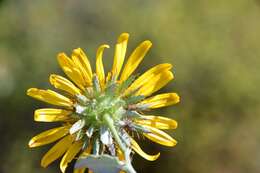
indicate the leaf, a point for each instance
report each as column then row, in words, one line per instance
column 100, row 164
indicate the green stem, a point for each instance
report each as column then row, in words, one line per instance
column 110, row 124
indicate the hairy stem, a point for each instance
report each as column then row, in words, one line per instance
column 110, row 123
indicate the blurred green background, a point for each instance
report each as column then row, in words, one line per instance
column 214, row 46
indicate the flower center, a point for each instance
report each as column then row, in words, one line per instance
column 93, row 110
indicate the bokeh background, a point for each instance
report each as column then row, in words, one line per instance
column 215, row 49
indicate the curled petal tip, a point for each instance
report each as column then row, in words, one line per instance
column 177, row 97
column 30, row 91
column 105, row 46
column 77, row 50
column 123, row 37
column 52, row 79
column 30, row 144
column 148, row 43
column 174, row 142
column 61, row 55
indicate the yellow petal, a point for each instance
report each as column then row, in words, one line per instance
column 157, row 122
column 49, row 97
column 155, row 83
column 99, row 65
column 84, row 63
column 57, row 151
column 70, row 154
column 109, row 75
column 147, row 76
column 64, row 84
column 120, row 51
column 71, row 70
column 82, row 170
column 51, row 115
column 120, row 154
column 135, row 59
column 64, row 60
column 162, row 100
column 159, row 137
column 87, row 151
column 138, row 149
column 48, row 136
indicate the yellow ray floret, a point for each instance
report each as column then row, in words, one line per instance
column 48, row 136
column 159, row 137
column 138, row 149
column 64, row 84
column 147, row 76
column 57, row 151
column 70, row 154
column 157, row 122
column 155, row 83
column 121, row 157
column 71, row 70
column 161, row 100
column 135, row 59
column 51, row 115
column 120, row 51
column 50, row 97
column 99, row 65
column 84, row 62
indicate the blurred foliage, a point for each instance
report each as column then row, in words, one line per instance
column 214, row 46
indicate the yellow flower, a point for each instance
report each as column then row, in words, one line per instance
column 98, row 112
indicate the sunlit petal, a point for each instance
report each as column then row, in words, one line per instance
column 161, row 100
column 51, row 115
column 50, row 97
column 155, row 83
column 99, row 65
column 138, row 149
column 120, row 51
column 147, row 76
column 48, row 136
column 57, row 151
column 64, row 84
column 158, row 122
column 70, row 154
column 135, row 59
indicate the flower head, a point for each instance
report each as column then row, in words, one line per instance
column 99, row 113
